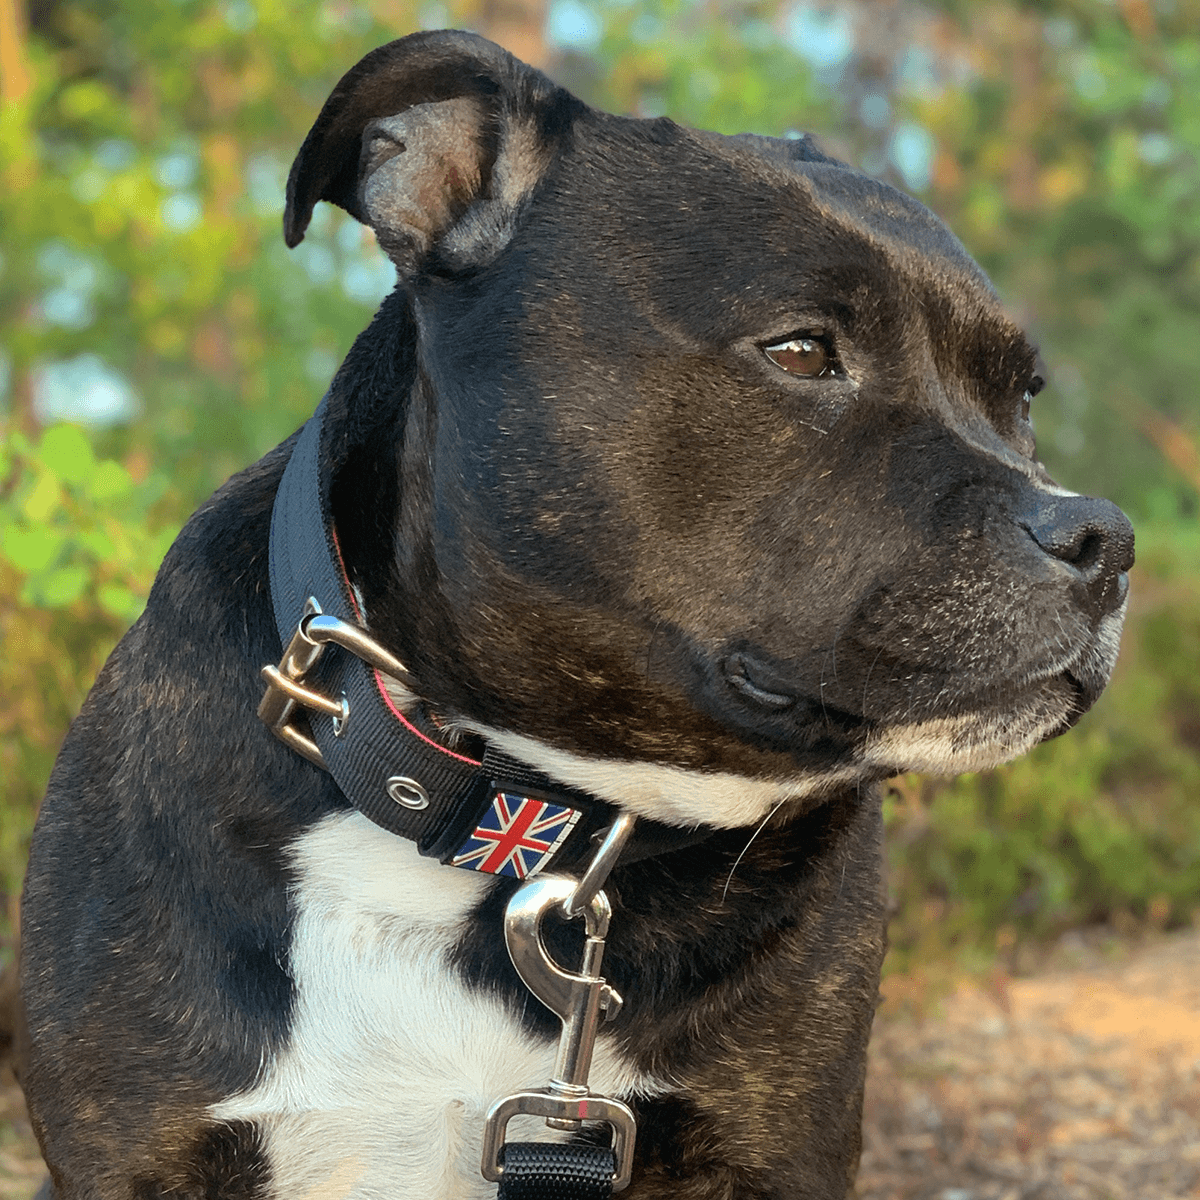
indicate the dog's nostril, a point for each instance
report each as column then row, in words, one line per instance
column 1085, row 552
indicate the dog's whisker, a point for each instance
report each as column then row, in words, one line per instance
column 867, row 681
column 737, row 861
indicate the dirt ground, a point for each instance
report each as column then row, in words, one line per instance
column 1079, row 1082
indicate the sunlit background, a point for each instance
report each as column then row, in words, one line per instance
column 158, row 336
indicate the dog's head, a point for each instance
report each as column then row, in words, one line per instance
column 714, row 454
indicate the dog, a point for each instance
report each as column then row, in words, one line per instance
column 685, row 483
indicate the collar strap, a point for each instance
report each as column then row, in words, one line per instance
column 492, row 814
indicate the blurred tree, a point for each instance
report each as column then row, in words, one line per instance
column 145, row 292
column 1069, row 160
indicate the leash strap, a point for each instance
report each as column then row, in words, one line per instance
column 553, row 1171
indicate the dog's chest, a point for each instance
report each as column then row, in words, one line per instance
column 392, row 1060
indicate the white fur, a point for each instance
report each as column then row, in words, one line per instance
column 392, row 1061
column 673, row 795
column 952, row 745
column 1052, row 488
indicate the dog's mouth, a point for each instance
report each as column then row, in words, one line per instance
column 1082, row 698
column 801, row 707
column 757, row 682
column 1085, row 678
column 769, row 699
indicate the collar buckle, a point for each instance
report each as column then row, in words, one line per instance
column 286, row 688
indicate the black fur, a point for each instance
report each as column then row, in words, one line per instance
column 582, row 505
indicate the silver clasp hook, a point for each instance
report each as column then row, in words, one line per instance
column 578, row 999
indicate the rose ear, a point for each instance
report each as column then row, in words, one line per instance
column 433, row 140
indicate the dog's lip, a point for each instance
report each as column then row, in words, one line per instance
column 1082, row 700
column 773, row 704
column 753, row 679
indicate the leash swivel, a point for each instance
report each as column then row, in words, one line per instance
column 580, row 1000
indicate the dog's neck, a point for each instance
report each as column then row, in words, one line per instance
column 389, row 759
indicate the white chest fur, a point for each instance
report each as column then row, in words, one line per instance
column 391, row 1063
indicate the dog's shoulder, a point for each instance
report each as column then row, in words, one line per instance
column 156, row 902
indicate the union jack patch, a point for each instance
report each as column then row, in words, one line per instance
column 516, row 837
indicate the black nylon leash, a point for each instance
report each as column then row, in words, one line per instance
column 551, row 1171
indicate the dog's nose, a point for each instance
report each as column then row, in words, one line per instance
column 1093, row 537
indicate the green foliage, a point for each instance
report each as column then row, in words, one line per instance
column 669, row 57
column 145, row 222
column 75, row 527
column 80, row 540
column 1070, row 164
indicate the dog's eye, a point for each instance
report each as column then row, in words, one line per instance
column 807, row 356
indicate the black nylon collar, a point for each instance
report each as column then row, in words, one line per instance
column 496, row 815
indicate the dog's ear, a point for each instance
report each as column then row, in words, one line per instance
column 433, row 140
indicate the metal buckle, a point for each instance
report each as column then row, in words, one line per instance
column 285, row 686
column 578, row 1000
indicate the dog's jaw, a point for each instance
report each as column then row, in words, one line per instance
column 1048, row 706
column 949, row 745
column 672, row 795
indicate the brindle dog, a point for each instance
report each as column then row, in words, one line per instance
column 694, row 472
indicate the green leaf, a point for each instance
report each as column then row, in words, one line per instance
column 44, row 499
column 110, row 480
column 62, row 586
column 97, row 543
column 32, row 550
column 119, row 601
column 66, row 450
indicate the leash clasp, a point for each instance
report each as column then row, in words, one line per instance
column 579, row 1000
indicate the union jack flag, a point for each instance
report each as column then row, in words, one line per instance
column 516, row 837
